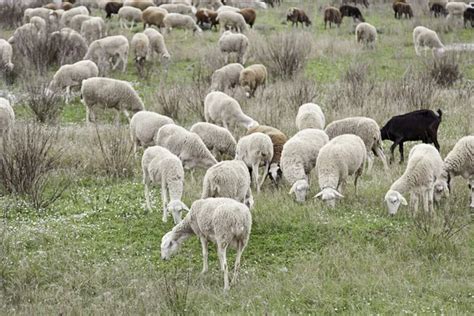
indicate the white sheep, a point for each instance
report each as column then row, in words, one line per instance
column 343, row 156
column 228, row 179
column 232, row 20
column 140, row 46
column 157, row 44
column 139, row 4
column 143, row 127
column 255, row 149
column 27, row 37
column 179, row 8
column 77, row 20
column 93, row 29
column 221, row 109
column 110, row 93
column 455, row 11
column 104, row 50
column 7, row 119
column 129, row 14
column 298, row 159
column 71, row 76
column 163, row 168
column 366, row 34
column 223, row 221
column 188, row 146
column 227, row 8
column 259, row 4
column 180, row 21
column 233, row 43
column 6, row 53
column 426, row 39
column 226, row 77
column 71, row 45
column 310, row 115
column 423, row 168
column 31, row 12
column 67, row 16
column 217, row 139
column 364, row 127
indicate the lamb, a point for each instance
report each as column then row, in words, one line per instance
column 221, row 109
column 233, row 43
column 249, row 15
column 7, row 119
column 228, row 179
column 278, row 139
column 143, row 127
column 188, row 146
column 343, row 156
column 139, row 4
column 401, row 8
column 412, row 126
column 77, row 20
column 140, row 45
column 154, row 16
column 226, row 77
column 129, row 14
column 157, row 44
column 71, row 45
column 423, row 168
column 206, row 17
column 223, row 221
column 350, row 11
column 252, row 77
column 367, row 34
column 68, row 15
column 93, row 29
column 71, row 76
column 469, row 16
column 424, row 38
column 310, row 115
column 110, row 93
column 233, row 20
column 112, row 8
column 438, row 10
column 180, row 21
column 6, row 53
column 298, row 158
column 217, row 139
column 102, row 51
column 179, row 8
column 254, row 149
column 332, row 15
column 296, row 15
column 161, row 167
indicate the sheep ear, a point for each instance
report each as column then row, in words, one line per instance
column 338, row 194
column 318, row 195
column 403, row 201
column 292, row 190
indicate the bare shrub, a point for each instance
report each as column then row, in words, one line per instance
column 28, row 161
column 196, row 92
column 168, row 100
column 11, row 14
column 416, row 90
column 45, row 104
column 176, row 293
column 284, row 54
column 444, row 71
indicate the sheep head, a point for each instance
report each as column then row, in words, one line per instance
column 175, row 207
column 169, row 245
column 394, row 199
column 329, row 195
column 300, row 189
column 440, row 190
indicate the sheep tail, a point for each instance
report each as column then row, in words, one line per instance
column 440, row 113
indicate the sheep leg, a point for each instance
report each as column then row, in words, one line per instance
column 221, row 253
column 392, row 149
column 205, row 253
column 370, row 161
column 146, row 182
column 358, row 173
column 255, row 175
column 265, row 172
column 425, row 197
column 164, row 200
column 400, row 148
column 379, row 153
column 414, row 202
column 68, row 94
column 117, row 118
column 127, row 115
column 430, row 199
column 240, row 249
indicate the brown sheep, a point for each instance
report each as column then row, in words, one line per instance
column 278, row 139
column 332, row 15
column 57, row 6
column 363, row 2
column 153, row 16
column 296, row 16
column 249, row 15
column 206, row 16
column 139, row 4
column 252, row 77
column 401, row 9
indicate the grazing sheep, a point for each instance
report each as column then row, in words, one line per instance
column 364, row 127
column 424, row 38
column 71, row 76
column 350, row 11
column 412, row 126
column 438, row 10
column 110, row 93
column 161, row 167
column 255, row 149
column 217, row 139
column 401, row 8
column 221, row 109
column 228, row 179
column 112, row 8
column 310, row 115
column 40, row 12
column 59, row 6
column 206, row 17
column 278, row 140
column 93, row 29
column 139, row 4
column 226, row 77
column 7, row 120
column 154, row 16
column 299, row 157
column 332, row 15
column 367, row 34
column 223, row 221
column 71, row 45
column 179, row 8
column 233, row 43
column 252, row 77
column 423, row 168
column 180, row 21
column 102, row 51
column 227, row 8
column 469, row 16
column 77, row 20
column 69, row 14
column 250, row 15
column 188, row 146
column 296, row 15
column 157, row 44
column 140, row 46
column 209, row 4
column 129, row 14
column 231, row 20
column 143, row 127
column 259, row 4
column 343, row 156
column 6, row 53
column 362, row 2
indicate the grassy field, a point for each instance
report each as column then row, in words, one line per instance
column 95, row 250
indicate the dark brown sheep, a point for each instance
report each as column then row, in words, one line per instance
column 249, row 15
column 206, row 16
column 296, row 16
column 332, row 15
column 438, row 10
column 112, row 8
column 153, row 16
column 56, row 6
column 362, row 2
column 350, row 11
column 401, row 9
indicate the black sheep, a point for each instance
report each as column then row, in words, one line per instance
column 469, row 16
column 438, row 10
column 351, row 11
column 112, row 8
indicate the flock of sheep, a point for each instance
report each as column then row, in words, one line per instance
column 333, row 151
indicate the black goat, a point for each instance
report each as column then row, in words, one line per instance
column 112, row 8
column 351, row 11
column 438, row 10
column 417, row 125
column 469, row 16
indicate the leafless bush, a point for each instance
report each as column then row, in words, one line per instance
column 28, row 162
column 169, row 100
column 45, row 104
column 284, row 54
column 176, row 293
column 444, row 71
column 196, row 92
column 11, row 14
column 416, row 90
